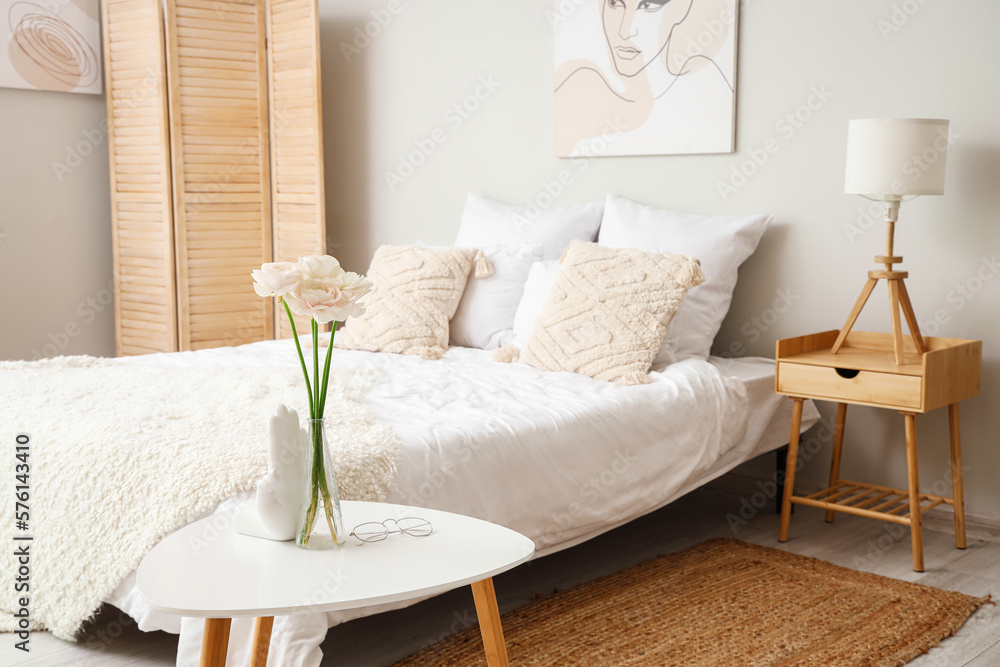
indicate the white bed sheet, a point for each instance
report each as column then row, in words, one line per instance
column 558, row 457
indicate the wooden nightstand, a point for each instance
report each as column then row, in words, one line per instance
column 865, row 372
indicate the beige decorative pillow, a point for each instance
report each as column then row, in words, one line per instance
column 608, row 312
column 416, row 291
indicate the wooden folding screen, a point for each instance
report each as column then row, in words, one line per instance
column 139, row 156
column 298, row 207
column 217, row 75
column 227, row 172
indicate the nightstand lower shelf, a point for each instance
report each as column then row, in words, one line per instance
column 905, row 506
column 870, row 500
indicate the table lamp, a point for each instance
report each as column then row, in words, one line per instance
column 887, row 160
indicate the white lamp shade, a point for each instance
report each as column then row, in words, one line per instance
column 895, row 157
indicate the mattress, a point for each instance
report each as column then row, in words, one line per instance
column 558, row 457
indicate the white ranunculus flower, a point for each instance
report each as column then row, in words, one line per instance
column 319, row 266
column 354, row 286
column 276, row 278
column 330, row 299
column 318, row 298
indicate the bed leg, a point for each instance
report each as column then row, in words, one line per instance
column 780, row 461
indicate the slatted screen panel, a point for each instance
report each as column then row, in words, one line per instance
column 139, row 157
column 219, row 141
column 298, row 213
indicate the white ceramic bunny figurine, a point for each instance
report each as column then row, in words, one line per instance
column 272, row 513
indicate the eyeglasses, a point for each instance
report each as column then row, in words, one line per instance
column 373, row 531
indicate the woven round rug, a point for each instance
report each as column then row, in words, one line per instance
column 722, row 603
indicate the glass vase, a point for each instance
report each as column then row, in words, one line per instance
column 320, row 524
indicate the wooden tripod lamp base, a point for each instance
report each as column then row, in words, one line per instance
column 899, row 298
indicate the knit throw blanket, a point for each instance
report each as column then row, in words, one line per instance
column 123, row 454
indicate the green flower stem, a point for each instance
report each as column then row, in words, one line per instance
column 298, row 346
column 315, row 388
column 310, row 515
column 318, row 486
column 326, row 371
column 325, row 490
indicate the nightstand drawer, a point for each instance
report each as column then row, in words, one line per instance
column 850, row 385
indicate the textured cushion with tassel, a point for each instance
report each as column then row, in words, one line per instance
column 608, row 312
column 416, row 291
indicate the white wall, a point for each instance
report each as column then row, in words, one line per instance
column 431, row 55
column 939, row 63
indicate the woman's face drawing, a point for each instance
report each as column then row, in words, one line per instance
column 638, row 30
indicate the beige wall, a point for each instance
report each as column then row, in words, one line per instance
column 55, row 226
column 431, row 55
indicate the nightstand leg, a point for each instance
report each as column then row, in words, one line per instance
column 956, row 475
column 916, row 532
column 215, row 643
column 838, row 446
column 793, row 455
column 489, row 623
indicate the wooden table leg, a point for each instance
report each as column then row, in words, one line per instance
column 793, row 455
column 215, row 643
column 489, row 623
column 956, row 475
column 838, row 446
column 916, row 532
column 261, row 641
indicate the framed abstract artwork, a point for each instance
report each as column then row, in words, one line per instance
column 50, row 45
column 644, row 77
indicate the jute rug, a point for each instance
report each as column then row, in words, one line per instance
column 722, row 603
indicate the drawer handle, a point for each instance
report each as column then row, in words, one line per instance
column 847, row 373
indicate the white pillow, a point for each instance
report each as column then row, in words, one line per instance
column 722, row 243
column 541, row 277
column 486, row 223
column 485, row 316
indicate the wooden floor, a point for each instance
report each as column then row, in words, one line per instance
column 713, row 511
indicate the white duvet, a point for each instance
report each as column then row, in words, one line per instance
column 558, row 457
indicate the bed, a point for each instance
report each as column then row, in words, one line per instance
column 558, row 457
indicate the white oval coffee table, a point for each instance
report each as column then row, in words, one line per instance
column 207, row 570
